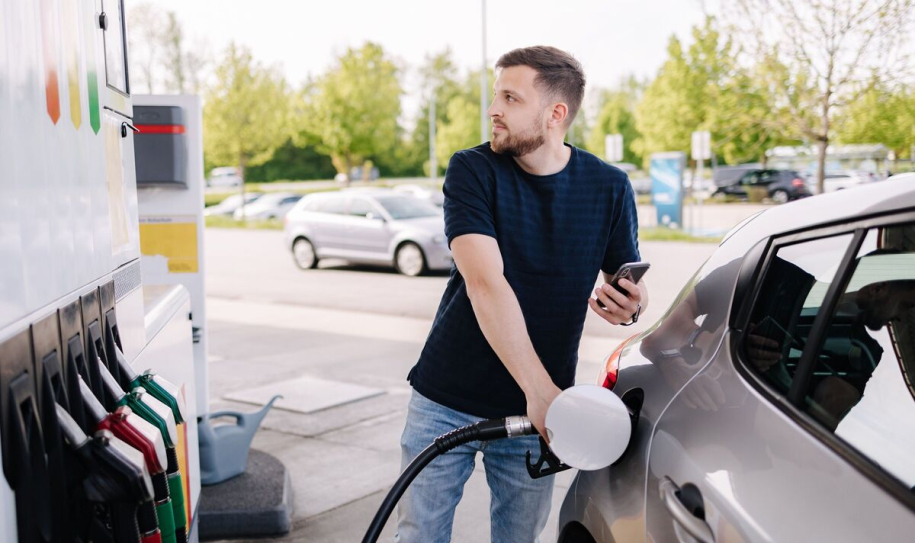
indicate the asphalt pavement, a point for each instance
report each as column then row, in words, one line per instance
column 270, row 322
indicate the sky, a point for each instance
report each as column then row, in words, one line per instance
column 611, row 38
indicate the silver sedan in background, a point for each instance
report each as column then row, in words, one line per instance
column 375, row 226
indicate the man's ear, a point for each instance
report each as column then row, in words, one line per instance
column 558, row 115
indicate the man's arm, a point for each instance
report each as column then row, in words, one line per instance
column 497, row 311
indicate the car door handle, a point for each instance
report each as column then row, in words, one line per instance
column 694, row 525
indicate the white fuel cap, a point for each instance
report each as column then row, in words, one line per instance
column 588, row 427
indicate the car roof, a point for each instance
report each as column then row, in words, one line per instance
column 895, row 194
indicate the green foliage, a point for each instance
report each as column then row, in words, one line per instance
column 461, row 130
column 616, row 116
column 704, row 88
column 460, row 126
column 246, row 116
column 881, row 115
column 354, row 107
column 290, row 161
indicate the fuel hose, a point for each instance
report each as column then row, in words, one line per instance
column 487, row 430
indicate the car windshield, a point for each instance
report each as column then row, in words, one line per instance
column 407, row 207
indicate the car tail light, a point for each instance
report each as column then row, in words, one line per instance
column 798, row 182
column 608, row 375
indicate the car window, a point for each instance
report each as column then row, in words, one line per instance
column 336, row 205
column 291, row 200
column 407, row 207
column 862, row 382
column 360, row 207
column 750, row 178
column 789, row 299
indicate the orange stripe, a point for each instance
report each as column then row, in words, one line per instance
column 49, row 47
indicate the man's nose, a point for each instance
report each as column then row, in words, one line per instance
column 493, row 111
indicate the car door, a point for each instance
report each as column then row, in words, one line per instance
column 756, row 448
column 747, row 180
column 328, row 225
column 368, row 229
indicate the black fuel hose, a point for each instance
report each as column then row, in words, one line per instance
column 487, row 430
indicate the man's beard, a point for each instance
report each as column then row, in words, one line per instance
column 519, row 144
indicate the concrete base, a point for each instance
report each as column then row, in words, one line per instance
column 257, row 503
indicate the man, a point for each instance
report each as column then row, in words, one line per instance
column 530, row 221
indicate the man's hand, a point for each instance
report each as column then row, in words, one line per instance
column 538, row 402
column 763, row 352
column 620, row 308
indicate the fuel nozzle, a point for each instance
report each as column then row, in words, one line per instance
column 116, row 474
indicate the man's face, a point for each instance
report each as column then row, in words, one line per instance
column 517, row 113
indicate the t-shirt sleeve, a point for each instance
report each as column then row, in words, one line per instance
column 623, row 244
column 468, row 201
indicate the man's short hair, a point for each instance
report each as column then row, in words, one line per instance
column 558, row 73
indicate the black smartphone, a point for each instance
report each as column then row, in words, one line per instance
column 633, row 271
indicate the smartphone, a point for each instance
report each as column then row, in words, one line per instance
column 633, row 271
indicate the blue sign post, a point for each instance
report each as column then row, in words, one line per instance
column 666, row 172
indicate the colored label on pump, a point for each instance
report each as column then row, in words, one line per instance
column 181, row 451
column 49, row 50
column 71, row 40
column 172, row 238
column 90, row 35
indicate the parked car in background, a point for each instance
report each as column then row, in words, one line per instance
column 227, row 177
column 228, row 206
column 773, row 401
column 432, row 195
column 376, row 226
column 272, row 205
column 728, row 175
column 780, row 185
column 840, row 180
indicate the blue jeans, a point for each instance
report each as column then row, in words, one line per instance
column 519, row 505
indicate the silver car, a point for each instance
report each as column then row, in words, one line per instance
column 376, row 226
column 775, row 400
column 272, row 205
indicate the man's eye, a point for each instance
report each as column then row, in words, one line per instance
column 510, row 98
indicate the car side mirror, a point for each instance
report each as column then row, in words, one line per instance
column 374, row 216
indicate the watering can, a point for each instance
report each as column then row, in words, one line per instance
column 224, row 448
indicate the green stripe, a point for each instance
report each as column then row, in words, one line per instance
column 94, row 118
column 166, row 521
column 176, row 491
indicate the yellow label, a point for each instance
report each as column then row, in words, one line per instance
column 176, row 241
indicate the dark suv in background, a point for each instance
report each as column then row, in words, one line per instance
column 782, row 185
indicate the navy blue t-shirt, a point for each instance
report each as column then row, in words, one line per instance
column 555, row 233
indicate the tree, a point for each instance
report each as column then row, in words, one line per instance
column 616, row 116
column 882, row 115
column 354, row 107
column 460, row 126
column 147, row 24
column 439, row 81
column 836, row 50
column 174, row 57
column 666, row 116
column 160, row 58
column 705, row 88
column 246, row 115
column 461, row 129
